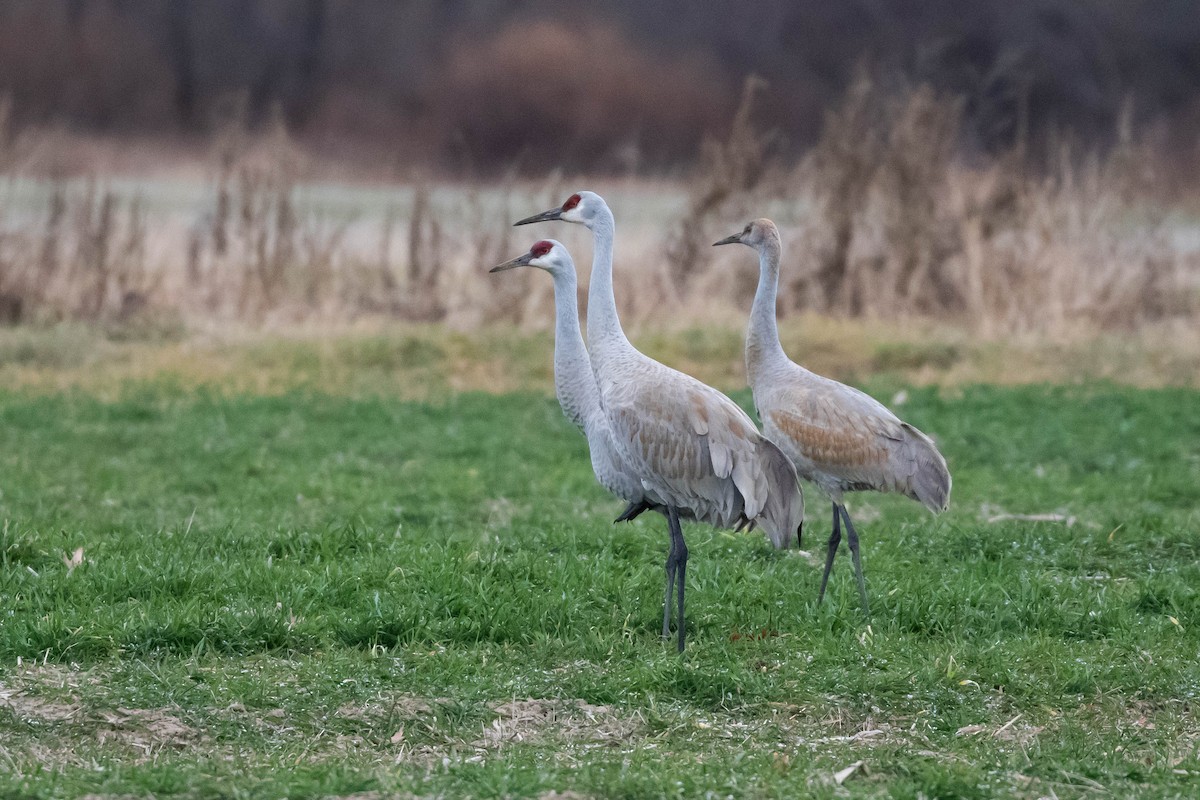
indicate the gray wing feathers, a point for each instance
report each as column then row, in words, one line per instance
column 843, row 437
column 687, row 470
column 610, row 467
column 697, row 450
column 929, row 481
column 784, row 509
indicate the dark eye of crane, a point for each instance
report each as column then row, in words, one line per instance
column 747, row 229
column 572, row 201
column 541, row 248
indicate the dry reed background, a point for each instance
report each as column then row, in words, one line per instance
column 883, row 218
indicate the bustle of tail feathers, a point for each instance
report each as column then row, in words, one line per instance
column 932, row 482
column 783, row 514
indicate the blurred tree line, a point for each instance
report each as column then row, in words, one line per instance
column 619, row 85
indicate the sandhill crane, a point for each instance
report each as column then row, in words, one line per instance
column 838, row 437
column 574, row 382
column 695, row 452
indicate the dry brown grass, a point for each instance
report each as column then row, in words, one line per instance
column 429, row 362
column 884, row 219
column 730, row 173
column 84, row 259
column 904, row 227
column 255, row 252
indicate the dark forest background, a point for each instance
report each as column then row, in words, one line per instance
column 615, row 86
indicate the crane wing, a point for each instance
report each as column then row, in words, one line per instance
column 692, row 445
column 841, row 430
column 846, row 433
column 611, row 468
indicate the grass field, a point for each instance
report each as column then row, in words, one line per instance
column 230, row 594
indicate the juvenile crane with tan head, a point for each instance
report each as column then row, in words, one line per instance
column 838, row 437
column 694, row 451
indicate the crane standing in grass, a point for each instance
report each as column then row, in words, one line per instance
column 574, row 382
column 838, row 437
column 694, row 451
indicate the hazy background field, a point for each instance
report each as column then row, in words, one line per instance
column 1020, row 168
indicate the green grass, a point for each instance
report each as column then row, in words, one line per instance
column 306, row 595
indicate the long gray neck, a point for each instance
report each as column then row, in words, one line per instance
column 605, row 337
column 763, row 349
column 574, row 382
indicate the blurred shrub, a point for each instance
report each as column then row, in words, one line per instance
column 542, row 93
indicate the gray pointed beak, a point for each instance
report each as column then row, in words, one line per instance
column 519, row 261
column 545, row 216
column 735, row 239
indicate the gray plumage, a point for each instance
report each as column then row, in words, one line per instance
column 574, row 383
column 695, row 452
column 837, row 436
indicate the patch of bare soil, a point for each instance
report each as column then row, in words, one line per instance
column 37, row 710
column 145, row 731
column 528, row 722
column 571, row 720
column 525, row 721
column 399, row 705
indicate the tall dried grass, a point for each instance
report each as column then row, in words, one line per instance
column 884, row 219
column 84, row 259
column 730, row 172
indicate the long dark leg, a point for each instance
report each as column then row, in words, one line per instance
column 835, row 539
column 671, row 564
column 852, row 536
column 679, row 547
